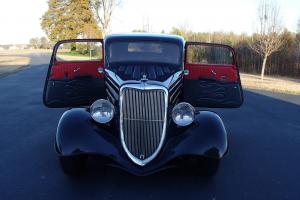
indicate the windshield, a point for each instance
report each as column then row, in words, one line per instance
column 143, row 51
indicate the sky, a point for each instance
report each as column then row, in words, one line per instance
column 20, row 19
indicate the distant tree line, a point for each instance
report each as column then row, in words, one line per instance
column 285, row 62
column 40, row 43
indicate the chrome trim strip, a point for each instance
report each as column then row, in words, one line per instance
column 175, row 84
column 113, row 100
column 176, row 98
column 172, row 79
column 143, row 86
column 109, row 81
column 113, row 92
column 175, row 91
column 114, row 77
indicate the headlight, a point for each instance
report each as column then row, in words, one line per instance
column 102, row 111
column 183, row 114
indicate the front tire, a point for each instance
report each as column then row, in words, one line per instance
column 73, row 165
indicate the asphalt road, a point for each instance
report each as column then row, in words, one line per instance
column 263, row 162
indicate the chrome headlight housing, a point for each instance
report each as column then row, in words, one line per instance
column 183, row 114
column 102, row 111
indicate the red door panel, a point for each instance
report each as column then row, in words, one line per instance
column 74, row 77
column 219, row 72
column 70, row 70
column 213, row 78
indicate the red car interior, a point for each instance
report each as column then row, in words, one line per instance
column 70, row 70
column 227, row 73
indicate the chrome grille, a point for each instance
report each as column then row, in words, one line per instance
column 143, row 121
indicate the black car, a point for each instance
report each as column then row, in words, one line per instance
column 132, row 99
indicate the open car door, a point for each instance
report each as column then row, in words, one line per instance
column 212, row 78
column 75, row 76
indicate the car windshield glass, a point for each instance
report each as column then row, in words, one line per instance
column 143, row 51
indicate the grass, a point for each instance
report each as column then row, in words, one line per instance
column 272, row 84
column 9, row 64
column 75, row 56
column 72, row 57
column 13, row 60
column 74, row 53
column 23, row 52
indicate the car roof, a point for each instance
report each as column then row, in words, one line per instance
column 144, row 36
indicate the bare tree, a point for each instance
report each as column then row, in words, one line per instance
column 103, row 10
column 267, row 38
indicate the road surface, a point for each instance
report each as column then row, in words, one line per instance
column 263, row 161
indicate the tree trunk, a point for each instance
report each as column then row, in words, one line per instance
column 263, row 68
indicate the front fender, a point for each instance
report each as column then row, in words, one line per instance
column 207, row 136
column 77, row 133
